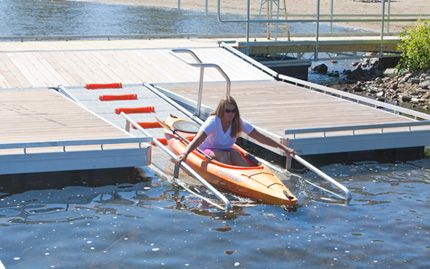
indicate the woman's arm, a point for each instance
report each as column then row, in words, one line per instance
column 269, row 141
column 197, row 141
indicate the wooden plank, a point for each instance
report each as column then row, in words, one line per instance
column 44, row 115
column 276, row 106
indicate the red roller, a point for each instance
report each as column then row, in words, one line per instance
column 149, row 124
column 162, row 140
column 118, row 97
column 133, row 110
column 103, row 86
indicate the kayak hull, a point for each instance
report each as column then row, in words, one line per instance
column 257, row 182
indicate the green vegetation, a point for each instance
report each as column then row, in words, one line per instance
column 415, row 48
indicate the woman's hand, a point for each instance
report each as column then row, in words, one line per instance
column 181, row 157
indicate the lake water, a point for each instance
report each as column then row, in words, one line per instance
column 153, row 224
column 58, row 18
column 145, row 222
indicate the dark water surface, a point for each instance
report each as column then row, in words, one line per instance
column 152, row 224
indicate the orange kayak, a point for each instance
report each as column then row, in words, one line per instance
column 256, row 181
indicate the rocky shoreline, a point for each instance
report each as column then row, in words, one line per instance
column 368, row 78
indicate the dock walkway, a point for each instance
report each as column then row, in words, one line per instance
column 311, row 118
column 43, row 131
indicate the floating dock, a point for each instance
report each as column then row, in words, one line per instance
column 310, row 118
column 44, row 131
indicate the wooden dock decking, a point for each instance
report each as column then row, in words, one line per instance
column 311, row 121
column 278, row 106
column 42, row 130
column 305, row 116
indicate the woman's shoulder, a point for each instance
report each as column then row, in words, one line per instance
column 212, row 118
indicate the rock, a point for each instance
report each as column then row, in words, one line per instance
column 378, row 81
column 380, row 94
column 333, row 74
column 415, row 80
column 395, row 86
column 425, row 84
column 381, row 99
column 320, row 69
column 357, row 73
column 405, row 78
column 415, row 100
column 390, row 72
column 406, row 98
column 357, row 87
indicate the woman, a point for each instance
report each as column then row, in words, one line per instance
column 220, row 131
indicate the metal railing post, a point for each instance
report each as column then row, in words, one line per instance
column 382, row 28
column 248, row 18
column 317, row 31
column 388, row 16
column 331, row 16
column 200, row 93
column 202, row 67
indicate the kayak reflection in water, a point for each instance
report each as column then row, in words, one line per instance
column 220, row 131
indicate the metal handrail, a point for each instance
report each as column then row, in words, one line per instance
column 384, row 19
column 202, row 67
column 347, row 196
column 185, row 166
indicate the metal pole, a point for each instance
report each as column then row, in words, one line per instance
column 248, row 18
column 200, row 94
column 382, row 28
column 331, row 16
column 179, row 5
column 184, row 165
column 317, row 31
column 388, row 16
column 206, row 8
column 324, row 176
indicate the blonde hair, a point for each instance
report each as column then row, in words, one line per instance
column 236, row 126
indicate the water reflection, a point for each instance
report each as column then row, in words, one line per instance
column 143, row 221
column 53, row 18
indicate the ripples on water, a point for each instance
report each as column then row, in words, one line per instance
column 50, row 18
column 153, row 224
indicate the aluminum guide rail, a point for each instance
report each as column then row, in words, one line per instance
column 186, row 167
column 347, row 194
column 202, row 67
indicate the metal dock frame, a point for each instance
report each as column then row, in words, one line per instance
column 185, row 166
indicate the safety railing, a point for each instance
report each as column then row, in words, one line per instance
column 130, row 122
column 383, row 19
column 330, row 91
column 202, row 67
